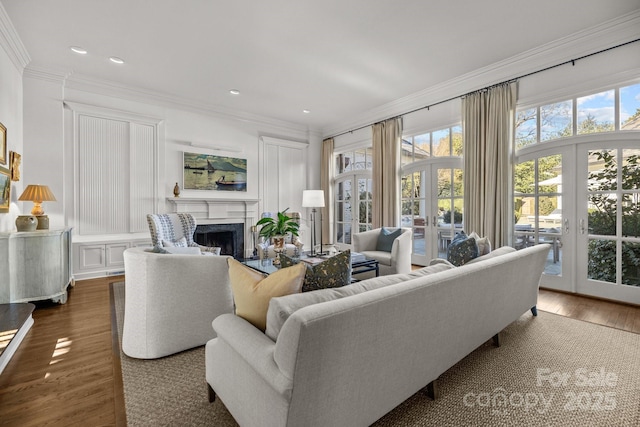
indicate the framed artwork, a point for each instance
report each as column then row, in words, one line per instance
column 14, row 165
column 5, row 190
column 3, row 145
column 208, row 172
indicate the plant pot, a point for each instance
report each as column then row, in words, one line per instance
column 278, row 242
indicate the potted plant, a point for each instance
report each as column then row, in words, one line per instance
column 276, row 229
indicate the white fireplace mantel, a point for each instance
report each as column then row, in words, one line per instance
column 220, row 211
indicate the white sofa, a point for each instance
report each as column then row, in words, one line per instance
column 349, row 361
column 171, row 300
column 396, row 261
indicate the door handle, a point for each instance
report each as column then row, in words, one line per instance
column 566, row 226
column 582, row 229
column 435, row 221
column 426, row 220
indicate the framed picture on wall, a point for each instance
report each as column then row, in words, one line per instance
column 208, row 172
column 5, row 190
column 3, row 145
column 14, row 165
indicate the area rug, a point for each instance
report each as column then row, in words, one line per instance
column 549, row 371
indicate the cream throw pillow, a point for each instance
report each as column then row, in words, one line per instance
column 252, row 291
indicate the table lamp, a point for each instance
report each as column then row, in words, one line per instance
column 314, row 199
column 38, row 194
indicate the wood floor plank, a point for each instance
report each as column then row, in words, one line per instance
column 67, row 370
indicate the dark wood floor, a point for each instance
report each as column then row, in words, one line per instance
column 66, row 373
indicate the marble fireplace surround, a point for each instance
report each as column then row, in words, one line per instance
column 220, row 211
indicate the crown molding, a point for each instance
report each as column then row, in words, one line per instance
column 610, row 33
column 46, row 74
column 11, row 42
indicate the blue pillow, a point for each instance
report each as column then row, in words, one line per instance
column 386, row 238
column 462, row 249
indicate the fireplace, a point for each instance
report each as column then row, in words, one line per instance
column 229, row 237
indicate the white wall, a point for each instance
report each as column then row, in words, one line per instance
column 49, row 145
column 11, row 118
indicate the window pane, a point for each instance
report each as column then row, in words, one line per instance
column 631, row 169
column 630, row 267
column 631, row 215
column 556, row 120
column 526, row 128
column 603, row 171
column 596, row 113
column 602, row 260
column 369, row 158
column 441, row 143
column 406, row 153
column 524, row 177
column 457, row 140
column 422, row 149
column 360, row 160
column 630, row 107
column 602, row 214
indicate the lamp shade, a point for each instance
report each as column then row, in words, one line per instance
column 37, row 193
column 313, row 199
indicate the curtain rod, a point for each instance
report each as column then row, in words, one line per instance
column 426, row 107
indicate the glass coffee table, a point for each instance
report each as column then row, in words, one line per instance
column 358, row 265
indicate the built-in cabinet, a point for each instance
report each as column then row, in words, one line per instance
column 35, row 265
column 106, row 258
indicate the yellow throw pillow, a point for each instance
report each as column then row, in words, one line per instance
column 252, row 291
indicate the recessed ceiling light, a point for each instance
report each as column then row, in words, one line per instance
column 116, row 60
column 306, row 111
column 79, row 50
column 234, row 92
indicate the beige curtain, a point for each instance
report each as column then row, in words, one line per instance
column 387, row 138
column 327, row 174
column 488, row 118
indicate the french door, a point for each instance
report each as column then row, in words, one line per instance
column 609, row 220
column 544, row 210
column 432, row 206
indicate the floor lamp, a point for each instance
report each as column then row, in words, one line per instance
column 314, row 199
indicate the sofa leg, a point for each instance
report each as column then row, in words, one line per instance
column 534, row 310
column 496, row 339
column 212, row 394
column 431, row 390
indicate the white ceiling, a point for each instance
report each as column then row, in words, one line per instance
column 336, row 58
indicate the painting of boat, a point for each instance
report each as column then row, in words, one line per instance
column 231, row 185
column 217, row 173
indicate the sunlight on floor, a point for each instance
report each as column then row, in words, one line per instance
column 6, row 337
column 62, row 347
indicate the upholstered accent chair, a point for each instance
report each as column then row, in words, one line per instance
column 175, row 229
column 392, row 256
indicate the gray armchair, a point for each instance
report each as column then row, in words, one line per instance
column 396, row 261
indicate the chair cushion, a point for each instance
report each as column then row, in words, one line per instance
column 386, row 238
column 252, row 291
column 281, row 308
column 462, row 249
column 330, row 273
column 180, row 243
column 383, row 258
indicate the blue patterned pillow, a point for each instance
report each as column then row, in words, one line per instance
column 330, row 273
column 462, row 249
column 386, row 238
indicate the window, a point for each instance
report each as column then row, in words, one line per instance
column 353, row 192
column 595, row 113
column 438, row 143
